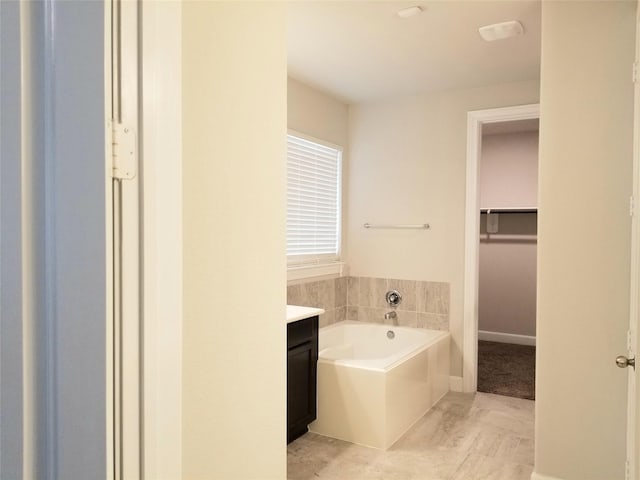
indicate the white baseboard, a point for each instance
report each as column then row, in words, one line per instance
column 455, row 384
column 506, row 338
column 538, row 476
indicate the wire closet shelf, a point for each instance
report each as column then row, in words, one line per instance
column 509, row 210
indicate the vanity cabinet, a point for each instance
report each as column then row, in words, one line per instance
column 302, row 370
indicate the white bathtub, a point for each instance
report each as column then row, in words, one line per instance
column 371, row 388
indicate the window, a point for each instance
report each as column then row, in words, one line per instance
column 313, row 202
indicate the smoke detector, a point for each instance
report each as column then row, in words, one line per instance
column 500, row 31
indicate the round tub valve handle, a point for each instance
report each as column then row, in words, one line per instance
column 393, row 298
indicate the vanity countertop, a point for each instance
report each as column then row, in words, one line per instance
column 295, row 312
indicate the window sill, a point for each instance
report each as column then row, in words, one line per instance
column 300, row 272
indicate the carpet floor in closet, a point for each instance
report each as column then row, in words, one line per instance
column 507, row 369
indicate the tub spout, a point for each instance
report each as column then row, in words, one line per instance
column 391, row 316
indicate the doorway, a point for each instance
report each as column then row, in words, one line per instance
column 476, row 121
column 508, row 191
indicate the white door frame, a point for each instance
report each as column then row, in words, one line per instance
column 161, row 237
column 633, row 399
column 127, row 251
column 475, row 121
column 148, row 243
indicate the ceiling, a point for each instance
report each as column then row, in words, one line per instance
column 361, row 51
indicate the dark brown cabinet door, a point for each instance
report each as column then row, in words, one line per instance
column 302, row 358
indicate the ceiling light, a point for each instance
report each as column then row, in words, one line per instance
column 409, row 12
column 499, row 31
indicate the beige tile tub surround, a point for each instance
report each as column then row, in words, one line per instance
column 330, row 295
column 424, row 304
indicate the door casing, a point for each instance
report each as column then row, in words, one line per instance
column 148, row 289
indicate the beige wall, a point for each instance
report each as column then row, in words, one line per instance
column 317, row 114
column 508, row 177
column 407, row 164
column 234, row 125
column 583, row 243
column 507, row 276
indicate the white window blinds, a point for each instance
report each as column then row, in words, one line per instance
column 313, row 202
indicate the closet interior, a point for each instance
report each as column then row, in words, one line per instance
column 508, row 181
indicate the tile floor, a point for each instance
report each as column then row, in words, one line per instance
column 463, row 437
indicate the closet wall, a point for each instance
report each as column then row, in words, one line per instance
column 507, row 274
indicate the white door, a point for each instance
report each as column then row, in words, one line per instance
column 633, row 408
column 127, row 378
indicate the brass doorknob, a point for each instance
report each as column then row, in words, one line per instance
column 624, row 362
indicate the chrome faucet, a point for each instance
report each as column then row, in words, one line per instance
column 392, row 315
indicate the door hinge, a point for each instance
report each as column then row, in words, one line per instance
column 123, row 139
column 627, row 470
column 632, row 205
column 634, row 72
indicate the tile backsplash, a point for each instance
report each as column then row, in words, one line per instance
column 424, row 304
